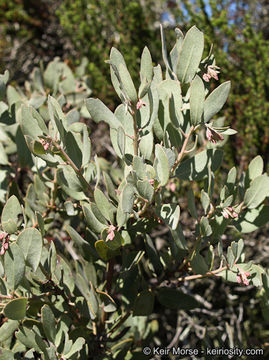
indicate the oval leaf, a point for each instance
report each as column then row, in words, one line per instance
column 127, row 198
column 91, row 219
column 144, row 303
column 103, row 205
column 257, row 192
column 14, row 266
column 215, row 101
column 197, row 99
column 99, row 112
column 7, row 329
column 190, row 55
column 161, row 165
column 30, row 242
column 146, row 68
column 48, row 322
column 16, row 309
column 10, row 213
column 128, row 85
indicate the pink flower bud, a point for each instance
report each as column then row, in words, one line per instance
column 139, row 104
column 111, row 233
column 4, row 247
column 229, row 212
column 225, row 213
column 209, row 134
column 233, row 213
column 45, row 144
column 172, row 186
column 212, row 72
column 242, row 277
column 212, row 135
column 206, row 77
column 3, row 235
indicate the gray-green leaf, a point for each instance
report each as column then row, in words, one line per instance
column 161, row 165
column 197, row 99
column 99, row 112
column 14, row 266
column 30, row 242
column 215, row 101
column 190, row 55
column 257, row 192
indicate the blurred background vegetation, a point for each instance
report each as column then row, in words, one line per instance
column 32, row 33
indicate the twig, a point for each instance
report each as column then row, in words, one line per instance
column 183, row 149
column 135, row 137
column 119, row 323
column 109, row 279
column 74, row 167
column 191, row 253
column 199, row 276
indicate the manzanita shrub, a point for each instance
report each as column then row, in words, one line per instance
column 81, row 271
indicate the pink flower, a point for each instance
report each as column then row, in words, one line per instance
column 212, row 135
column 229, row 212
column 139, row 104
column 242, row 278
column 3, row 235
column 234, row 214
column 111, row 233
column 225, row 213
column 45, row 144
column 5, row 238
column 206, row 77
column 211, row 73
column 172, row 186
column 151, row 181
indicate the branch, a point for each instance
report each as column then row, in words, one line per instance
column 210, row 273
column 74, row 167
column 183, row 149
column 119, row 323
column 191, row 253
column 135, row 137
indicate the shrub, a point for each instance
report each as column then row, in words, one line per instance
column 81, row 274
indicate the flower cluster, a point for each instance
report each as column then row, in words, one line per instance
column 45, row 144
column 229, row 212
column 242, row 277
column 4, row 237
column 212, row 72
column 139, row 104
column 111, row 233
column 212, row 135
